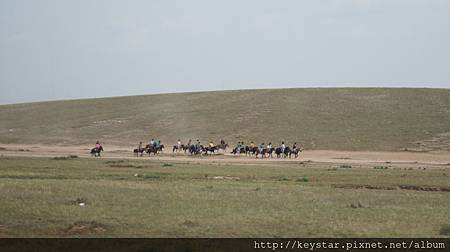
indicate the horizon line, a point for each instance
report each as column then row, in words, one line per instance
column 218, row 90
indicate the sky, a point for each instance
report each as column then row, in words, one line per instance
column 67, row 49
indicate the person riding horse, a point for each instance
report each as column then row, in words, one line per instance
column 96, row 151
column 178, row 147
column 140, row 149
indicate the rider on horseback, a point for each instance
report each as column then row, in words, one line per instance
column 283, row 146
column 197, row 145
column 238, row 147
column 261, row 147
column 97, row 145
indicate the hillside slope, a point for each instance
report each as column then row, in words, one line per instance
column 341, row 119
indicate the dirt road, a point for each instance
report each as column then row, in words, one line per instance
column 322, row 156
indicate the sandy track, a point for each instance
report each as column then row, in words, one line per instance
column 325, row 156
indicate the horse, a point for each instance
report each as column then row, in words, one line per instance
column 211, row 150
column 239, row 150
column 287, row 151
column 139, row 150
column 295, row 152
column 185, row 148
column 260, row 151
column 96, row 152
column 178, row 149
column 280, row 153
column 269, row 151
column 194, row 150
column 250, row 151
column 222, row 146
column 264, row 151
column 153, row 149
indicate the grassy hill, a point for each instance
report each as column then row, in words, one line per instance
column 341, row 119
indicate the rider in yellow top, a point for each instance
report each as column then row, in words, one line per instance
column 211, row 144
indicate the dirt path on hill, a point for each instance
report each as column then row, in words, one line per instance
column 322, row 156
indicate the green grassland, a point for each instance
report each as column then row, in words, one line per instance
column 143, row 198
column 340, row 119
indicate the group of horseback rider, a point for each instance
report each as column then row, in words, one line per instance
column 266, row 151
column 252, row 149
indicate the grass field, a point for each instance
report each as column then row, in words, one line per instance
column 337, row 119
column 41, row 197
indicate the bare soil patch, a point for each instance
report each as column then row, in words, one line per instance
column 4, row 231
column 401, row 187
column 318, row 156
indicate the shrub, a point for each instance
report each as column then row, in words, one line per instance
column 304, row 179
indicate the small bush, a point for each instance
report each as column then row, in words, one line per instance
column 380, row 167
column 78, row 201
column 357, row 205
column 304, row 179
column 345, row 166
column 167, row 165
column 283, row 179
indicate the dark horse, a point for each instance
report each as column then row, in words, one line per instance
column 137, row 151
column 250, row 151
column 240, row 150
column 223, row 146
column 211, row 150
column 263, row 152
column 153, row 149
column 182, row 148
column 295, row 152
column 280, row 153
column 194, row 150
column 96, row 152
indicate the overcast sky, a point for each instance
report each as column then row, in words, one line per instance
column 61, row 49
